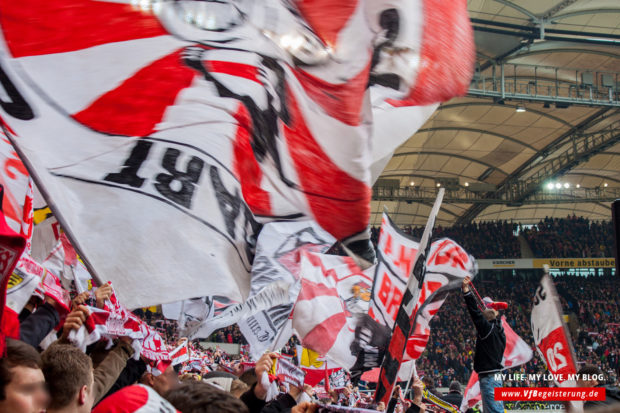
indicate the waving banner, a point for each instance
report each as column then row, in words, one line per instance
column 551, row 336
column 278, row 258
column 210, row 117
column 446, row 267
column 333, row 291
column 406, row 315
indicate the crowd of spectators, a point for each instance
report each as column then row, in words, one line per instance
column 571, row 237
column 481, row 239
column 592, row 304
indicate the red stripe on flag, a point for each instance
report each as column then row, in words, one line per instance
column 310, row 290
column 341, row 213
column 246, row 168
column 327, row 17
column 341, row 101
column 447, row 54
column 234, row 69
column 323, row 336
column 39, row 27
column 136, row 106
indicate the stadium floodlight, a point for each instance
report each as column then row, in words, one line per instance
column 566, row 185
column 550, row 185
column 558, row 185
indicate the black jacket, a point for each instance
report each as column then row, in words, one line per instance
column 38, row 324
column 455, row 398
column 491, row 339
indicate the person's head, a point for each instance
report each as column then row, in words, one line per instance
column 490, row 314
column 428, row 382
column 588, row 376
column 22, row 384
column 248, row 377
column 162, row 383
column 455, row 386
column 237, row 388
column 200, row 397
column 69, row 376
column 380, row 407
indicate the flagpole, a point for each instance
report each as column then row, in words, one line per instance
column 405, row 317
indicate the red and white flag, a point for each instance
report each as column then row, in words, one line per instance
column 446, row 266
column 180, row 354
column 213, row 129
column 333, row 289
column 113, row 321
column 551, row 336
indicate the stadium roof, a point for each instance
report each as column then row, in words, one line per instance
column 543, row 111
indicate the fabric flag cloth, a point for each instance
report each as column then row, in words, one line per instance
column 15, row 180
column 446, row 267
column 272, row 295
column 278, row 257
column 551, row 336
column 333, row 290
column 406, row 314
column 314, row 365
column 338, row 379
column 12, row 246
column 180, row 354
column 286, row 372
column 213, row 130
column 113, row 321
column 516, row 353
column 25, row 279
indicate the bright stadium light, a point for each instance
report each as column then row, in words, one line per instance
column 411, row 183
column 558, row 185
column 605, row 184
column 438, row 184
column 578, row 186
column 550, row 185
column 566, row 185
column 466, row 183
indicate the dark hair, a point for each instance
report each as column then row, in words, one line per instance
column 248, row 376
column 66, row 370
column 589, row 369
column 18, row 353
column 200, row 397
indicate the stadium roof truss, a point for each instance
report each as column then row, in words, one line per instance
column 538, row 133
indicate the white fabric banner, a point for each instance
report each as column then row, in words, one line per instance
column 172, row 140
column 278, row 257
column 551, row 336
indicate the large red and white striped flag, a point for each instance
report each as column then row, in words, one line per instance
column 517, row 352
column 211, row 117
column 333, row 291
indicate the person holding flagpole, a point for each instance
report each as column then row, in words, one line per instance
column 490, row 346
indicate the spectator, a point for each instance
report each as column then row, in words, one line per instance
column 22, row 384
